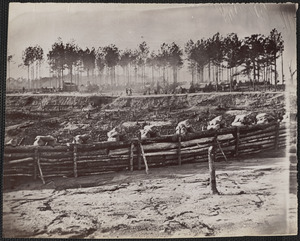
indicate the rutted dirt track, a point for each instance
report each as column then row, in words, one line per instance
column 168, row 202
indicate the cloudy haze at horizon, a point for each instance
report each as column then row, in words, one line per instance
column 127, row 25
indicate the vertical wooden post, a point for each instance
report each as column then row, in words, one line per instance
column 237, row 140
column 39, row 166
column 212, row 170
column 179, row 147
column 75, row 160
column 144, row 157
column 139, row 151
column 276, row 136
column 131, row 157
column 36, row 153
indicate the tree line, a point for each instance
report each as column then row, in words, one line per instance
column 207, row 59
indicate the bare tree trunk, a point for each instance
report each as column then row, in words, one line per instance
column 28, row 79
column 275, row 72
column 193, row 75
column 174, row 75
column 152, row 69
column 282, row 74
column 71, row 73
column 36, row 74
column 230, row 80
column 209, row 71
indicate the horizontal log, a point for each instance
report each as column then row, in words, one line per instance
column 110, row 159
column 102, row 145
column 19, row 149
column 18, row 175
column 80, row 171
column 271, row 129
column 100, row 152
column 159, row 146
column 13, row 156
column 284, row 137
column 98, row 165
column 95, row 173
column 31, row 148
column 271, row 138
column 251, row 140
column 56, row 155
column 18, row 165
column 188, row 159
column 175, row 156
column 71, row 174
column 48, row 173
column 262, row 136
column 92, row 157
column 49, row 168
column 23, row 160
column 123, row 157
column 153, row 159
column 262, row 139
column 17, row 172
column 256, row 144
column 103, row 161
column 174, row 152
column 54, row 149
column 56, row 161
column 11, row 169
column 250, row 151
column 257, row 136
column 94, row 160
column 121, row 151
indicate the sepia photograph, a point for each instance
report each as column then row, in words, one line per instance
column 150, row 121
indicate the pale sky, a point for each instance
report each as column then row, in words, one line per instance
column 127, row 25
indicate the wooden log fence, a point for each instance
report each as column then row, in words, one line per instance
column 106, row 157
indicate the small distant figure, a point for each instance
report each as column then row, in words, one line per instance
column 264, row 118
column 116, row 134
column 23, row 89
column 127, row 92
column 88, row 115
column 44, row 141
column 184, row 127
column 149, row 131
column 243, row 120
column 130, row 91
column 215, row 124
column 239, row 120
column 81, row 139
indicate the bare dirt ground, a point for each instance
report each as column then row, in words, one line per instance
column 168, row 202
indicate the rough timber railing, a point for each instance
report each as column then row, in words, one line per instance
column 104, row 157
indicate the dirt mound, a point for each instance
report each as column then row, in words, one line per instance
column 107, row 112
column 237, row 100
column 45, row 102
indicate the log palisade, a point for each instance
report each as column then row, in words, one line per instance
column 106, row 157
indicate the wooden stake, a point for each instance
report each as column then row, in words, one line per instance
column 179, row 148
column 40, row 169
column 131, row 157
column 221, row 150
column 20, row 142
column 212, row 171
column 75, row 160
column 35, row 163
column 237, row 141
column 139, row 151
column 144, row 158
